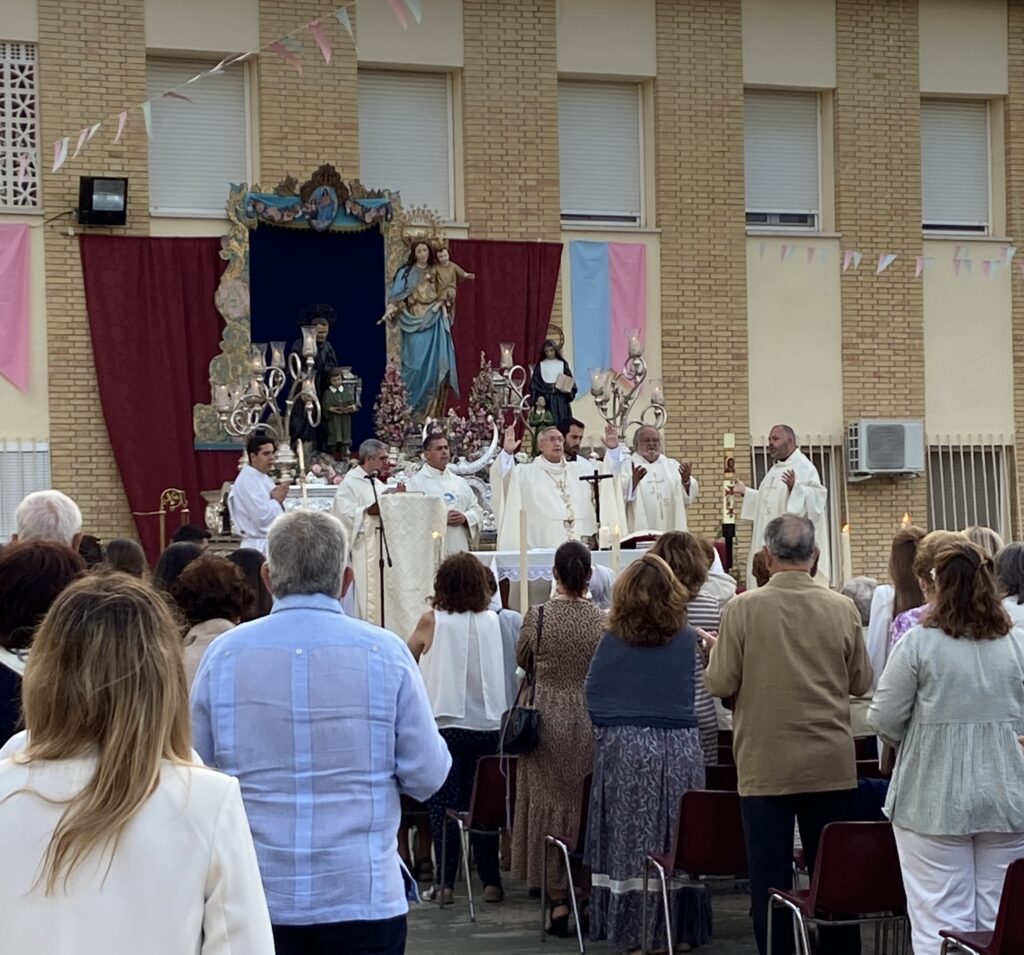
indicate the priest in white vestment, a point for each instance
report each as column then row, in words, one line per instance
column 435, row 478
column 791, row 486
column 354, row 502
column 559, row 505
column 255, row 500
column 657, row 489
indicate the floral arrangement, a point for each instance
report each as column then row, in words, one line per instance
column 392, row 414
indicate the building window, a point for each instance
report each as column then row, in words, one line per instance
column 781, row 156
column 968, row 484
column 19, row 129
column 24, row 468
column 200, row 148
column 955, row 165
column 405, row 137
column 600, row 152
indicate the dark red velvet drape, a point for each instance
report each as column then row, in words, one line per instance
column 510, row 300
column 154, row 330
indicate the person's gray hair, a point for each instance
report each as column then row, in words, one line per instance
column 860, row 590
column 984, row 537
column 601, row 581
column 790, row 539
column 48, row 516
column 306, row 553
column 369, row 447
column 1009, row 568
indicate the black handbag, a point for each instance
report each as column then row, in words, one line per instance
column 520, row 724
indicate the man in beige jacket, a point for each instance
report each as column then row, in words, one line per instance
column 792, row 653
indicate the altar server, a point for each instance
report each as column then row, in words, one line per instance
column 254, row 499
column 658, row 490
column 791, row 486
column 436, row 478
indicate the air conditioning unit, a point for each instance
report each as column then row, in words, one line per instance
column 884, row 446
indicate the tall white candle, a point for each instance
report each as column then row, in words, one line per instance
column 302, row 474
column 616, row 553
column 524, row 565
column 845, row 554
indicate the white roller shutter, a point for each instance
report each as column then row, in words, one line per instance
column 599, row 150
column 781, row 152
column 954, row 164
column 24, row 468
column 200, row 148
column 405, row 137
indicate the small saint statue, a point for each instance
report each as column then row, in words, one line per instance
column 538, row 419
column 449, row 274
column 339, row 404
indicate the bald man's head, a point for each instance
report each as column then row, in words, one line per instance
column 781, row 442
column 647, row 443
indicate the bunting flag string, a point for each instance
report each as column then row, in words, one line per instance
column 282, row 51
column 174, row 94
column 81, row 142
column 401, row 12
column 321, row 41
column 342, row 17
column 60, row 153
column 884, row 261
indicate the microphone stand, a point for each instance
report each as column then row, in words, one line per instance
column 383, row 551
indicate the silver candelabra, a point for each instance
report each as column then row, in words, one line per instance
column 616, row 393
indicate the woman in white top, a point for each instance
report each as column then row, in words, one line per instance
column 892, row 599
column 1009, row 565
column 112, row 841
column 459, row 648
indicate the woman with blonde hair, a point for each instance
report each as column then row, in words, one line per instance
column 640, row 697
column 952, row 699
column 984, row 538
column 110, row 834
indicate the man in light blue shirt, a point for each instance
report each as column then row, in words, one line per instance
column 325, row 722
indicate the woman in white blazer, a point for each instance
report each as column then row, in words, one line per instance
column 112, row 840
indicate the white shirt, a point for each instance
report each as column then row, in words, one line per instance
column 183, row 881
column 252, row 508
column 879, row 620
column 1015, row 610
column 457, row 496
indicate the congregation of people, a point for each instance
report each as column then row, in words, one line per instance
column 220, row 754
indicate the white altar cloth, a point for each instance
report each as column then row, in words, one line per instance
column 505, row 563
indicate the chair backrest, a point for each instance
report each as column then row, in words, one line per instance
column 579, row 834
column 494, row 793
column 857, row 870
column 722, row 778
column 709, row 834
column 1008, row 938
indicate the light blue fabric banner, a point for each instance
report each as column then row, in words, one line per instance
column 591, row 310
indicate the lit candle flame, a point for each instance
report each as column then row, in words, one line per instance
column 906, row 522
column 846, row 529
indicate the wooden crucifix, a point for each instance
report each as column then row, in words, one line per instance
column 594, row 480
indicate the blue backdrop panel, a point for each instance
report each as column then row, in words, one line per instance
column 292, row 268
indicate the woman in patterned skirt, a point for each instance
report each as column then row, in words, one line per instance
column 639, row 693
column 549, row 779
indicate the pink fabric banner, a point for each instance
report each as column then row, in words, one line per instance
column 401, row 12
column 627, row 277
column 14, row 304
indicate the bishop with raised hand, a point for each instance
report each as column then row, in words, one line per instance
column 791, row 486
column 465, row 516
column 657, row 489
column 559, row 506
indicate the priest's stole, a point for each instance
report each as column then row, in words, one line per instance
column 609, row 296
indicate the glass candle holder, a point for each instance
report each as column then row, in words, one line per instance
column 506, row 361
column 308, row 341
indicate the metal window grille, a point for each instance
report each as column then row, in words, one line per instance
column 19, row 127
column 969, row 482
column 24, row 468
column 826, row 454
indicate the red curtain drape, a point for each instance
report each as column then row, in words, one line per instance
column 154, row 330
column 510, row 300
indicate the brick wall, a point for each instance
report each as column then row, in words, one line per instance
column 1015, row 227
column 878, row 210
column 510, row 119
column 75, row 91
column 310, row 119
column 698, row 142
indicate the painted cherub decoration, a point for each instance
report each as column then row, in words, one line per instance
column 448, row 275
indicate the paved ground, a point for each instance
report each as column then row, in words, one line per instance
column 514, row 926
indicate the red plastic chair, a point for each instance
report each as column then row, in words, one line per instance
column 721, row 778
column 571, row 846
column 1008, row 936
column 708, row 841
column 857, row 879
column 491, row 806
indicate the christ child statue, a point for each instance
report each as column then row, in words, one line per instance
column 449, row 274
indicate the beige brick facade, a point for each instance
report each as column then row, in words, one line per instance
column 878, row 210
column 700, row 211
column 75, row 90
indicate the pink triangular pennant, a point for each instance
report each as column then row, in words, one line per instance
column 321, row 40
column 122, row 121
column 1020, row 265
column 918, row 266
column 810, row 254
column 401, row 12
column 282, row 51
column 60, row 153
column 956, row 267
column 847, row 259
column 783, row 252
column 956, row 251
column 174, row 94
column 82, row 136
